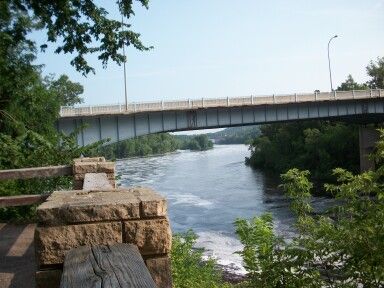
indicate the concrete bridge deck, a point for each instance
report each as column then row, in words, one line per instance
column 68, row 111
column 117, row 122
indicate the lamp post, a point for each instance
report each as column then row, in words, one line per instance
column 329, row 62
column 125, row 73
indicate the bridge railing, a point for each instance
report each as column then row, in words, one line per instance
column 220, row 102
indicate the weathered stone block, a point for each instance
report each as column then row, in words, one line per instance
column 48, row 278
column 69, row 207
column 81, row 176
column 77, row 184
column 152, row 204
column 160, row 270
column 113, row 183
column 52, row 243
column 77, row 177
column 151, row 236
column 89, row 159
column 96, row 181
column 84, row 167
column 111, row 176
column 106, row 167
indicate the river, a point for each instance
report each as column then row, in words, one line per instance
column 207, row 191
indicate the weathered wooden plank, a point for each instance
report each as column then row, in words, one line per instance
column 36, row 172
column 119, row 265
column 22, row 200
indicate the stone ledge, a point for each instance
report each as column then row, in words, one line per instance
column 78, row 206
column 151, row 236
column 93, row 167
column 89, row 159
column 152, row 204
column 52, row 243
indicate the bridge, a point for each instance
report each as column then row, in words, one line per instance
column 120, row 122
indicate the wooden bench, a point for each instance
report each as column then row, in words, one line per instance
column 105, row 266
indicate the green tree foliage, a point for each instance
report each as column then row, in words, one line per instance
column 236, row 135
column 188, row 268
column 318, row 146
column 152, row 144
column 196, row 143
column 376, row 72
column 28, row 138
column 67, row 92
column 350, row 84
column 339, row 249
column 75, row 27
column 140, row 146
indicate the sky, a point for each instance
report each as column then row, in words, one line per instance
column 220, row 48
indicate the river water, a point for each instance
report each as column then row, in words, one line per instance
column 206, row 191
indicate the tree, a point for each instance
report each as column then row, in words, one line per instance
column 350, row 84
column 67, row 92
column 376, row 72
column 318, row 146
column 81, row 28
column 340, row 248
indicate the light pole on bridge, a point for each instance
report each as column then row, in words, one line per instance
column 125, row 73
column 329, row 62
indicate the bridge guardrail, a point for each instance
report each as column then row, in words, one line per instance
column 66, row 111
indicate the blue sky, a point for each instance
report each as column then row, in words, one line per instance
column 220, row 48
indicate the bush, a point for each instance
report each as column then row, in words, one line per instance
column 343, row 248
column 188, row 268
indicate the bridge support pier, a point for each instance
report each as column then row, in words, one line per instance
column 368, row 136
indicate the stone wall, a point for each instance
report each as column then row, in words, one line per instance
column 69, row 219
column 82, row 166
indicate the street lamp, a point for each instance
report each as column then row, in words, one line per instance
column 329, row 62
column 125, row 73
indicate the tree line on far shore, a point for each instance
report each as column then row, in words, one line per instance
column 153, row 144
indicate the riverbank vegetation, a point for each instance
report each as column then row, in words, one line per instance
column 153, row 144
column 318, row 146
column 338, row 249
column 235, row 135
column 188, row 268
column 195, row 143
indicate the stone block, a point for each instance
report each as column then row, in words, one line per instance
column 160, row 270
column 96, row 182
column 89, row 159
column 81, row 176
column 152, row 204
column 113, row 183
column 77, row 184
column 106, row 167
column 48, row 278
column 71, row 207
column 111, row 176
column 52, row 243
column 151, row 236
column 84, row 167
